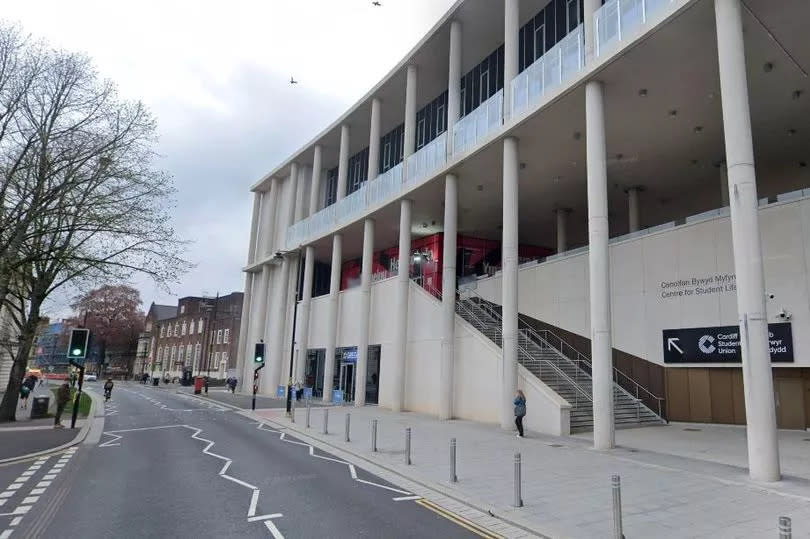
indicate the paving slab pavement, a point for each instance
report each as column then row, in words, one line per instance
column 566, row 484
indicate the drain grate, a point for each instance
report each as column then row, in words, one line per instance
column 691, row 429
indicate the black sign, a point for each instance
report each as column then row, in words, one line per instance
column 721, row 344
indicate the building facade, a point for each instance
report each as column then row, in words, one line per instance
column 642, row 265
column 199, row 335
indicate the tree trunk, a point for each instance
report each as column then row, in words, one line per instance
column 8, row 407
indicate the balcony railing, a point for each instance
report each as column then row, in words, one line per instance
column 428, row 159
column 477, row 124
column 549, row 71
column 617, row 19
column 386, row 186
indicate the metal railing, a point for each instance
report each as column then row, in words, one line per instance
column 550, row 70
column 617, row 19
column 478, row 123
column 578, row 359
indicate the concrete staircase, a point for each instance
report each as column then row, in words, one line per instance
column 568, row 376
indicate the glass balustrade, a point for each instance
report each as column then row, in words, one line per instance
column 427, row 160
column 385, row 187
column 477, row 124
column 549, row 71
column 617, row 19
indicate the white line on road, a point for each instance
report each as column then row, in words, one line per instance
column 265, row 517
column 273, row 529
column 407, row 498
column 6, row 534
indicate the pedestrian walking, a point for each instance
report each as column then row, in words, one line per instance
column 232, row 384
column 62, row 398
column 520, row 411
column 25, row 391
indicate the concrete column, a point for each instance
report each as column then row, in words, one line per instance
column 276, row 359
column 258, row 318
column 562, row 229
column 403, row 294
column 374, row 141
column 268, row 219
column 763, row 447
column 510, row 49
column 446, row 378
column 244, row 332
column 315, row 183
column 589, row 8
column 409, row 131
column 723, row 185
column 303, row 314
column 254, row 226
column 509, row 263
column 300, row 184
column 454, row 83
column 332, row 321
column 343, row 162
column 633, row 209
column 599, row 264
column 365, row 314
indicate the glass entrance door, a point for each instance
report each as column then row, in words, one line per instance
column 347, row 381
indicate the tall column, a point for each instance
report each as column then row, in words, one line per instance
column 258, row 318
column 343, row 162
column 374, row 141
column 446, row 378
column 599, row 264
column 403, row 294
column 633, row 210
column 454, row 82
column 409, row 131
column 724, row 201
column 331, row 324
column 590, row 7
column 510, row 50
column 315, row 184
column 303, row 314
column 244, row 331
column 268, row 219
column 365, row 313
column 509, row 263
column 763, row 447
column 300, row 207
column 254, row 227
column 562, row 229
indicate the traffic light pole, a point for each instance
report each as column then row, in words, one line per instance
column 255, row 385
column 299, row 268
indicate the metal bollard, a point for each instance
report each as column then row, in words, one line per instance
column 518, row 497
column 373, row 435
column 348, row 426
column 308, row 410
column 785, row 528
column 325, row 420
column 453, row 477
column 617, row 506
column 292, row 410
column 408, row 446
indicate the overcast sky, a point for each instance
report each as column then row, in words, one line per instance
column 215, row 74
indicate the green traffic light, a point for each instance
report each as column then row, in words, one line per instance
column 77, row 351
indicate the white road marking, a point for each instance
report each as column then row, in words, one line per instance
column 49, row 477
column 15, row 521
column 352, row 471
column 27, row 473
column 31, row 499
column 6, row 494
column 6, row 534
column 44, row 483
column 407, row 498
column 273, row 530
column 3, row 502
column 38, row 491
column 14, row 486
column 265, row 517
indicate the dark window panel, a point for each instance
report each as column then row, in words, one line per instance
column 521, row 55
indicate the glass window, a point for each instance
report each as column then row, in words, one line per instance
column 160, row 353
column 181, row 354
column 484, row 84
column 572, row 14
column 219, row 336
column 420, row 133
column 182, row 309
column 197, row 352
column 200, row 326
column 441, row 118
column 174, row 351
column 226, row 336
column 183, row 331
column 539, row 41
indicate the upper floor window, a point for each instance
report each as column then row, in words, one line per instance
column 174, row 351
column 200, row 326
column 162, row 331
column 148, row 327
column 182, row 309
column 219, row 336
column 572, row 10
column 330, row 194
column 176, row 329
column 183, row 331
column 197, row 352
column 226, row 336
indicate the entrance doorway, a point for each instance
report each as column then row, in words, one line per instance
column 313, row 374
column 346, row 383
column 789, row 393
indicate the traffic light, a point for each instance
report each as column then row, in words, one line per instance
column 258, row 355
column 79, row 339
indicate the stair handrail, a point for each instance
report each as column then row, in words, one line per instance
column 580, row 357
column 577, row 388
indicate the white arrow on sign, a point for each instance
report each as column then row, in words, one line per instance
column 671, row 343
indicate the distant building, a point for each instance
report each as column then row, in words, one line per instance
column 50, row 346
column 201, row 333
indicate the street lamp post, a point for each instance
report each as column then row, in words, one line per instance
column 298, row 270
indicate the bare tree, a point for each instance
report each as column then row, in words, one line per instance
column 100, row 210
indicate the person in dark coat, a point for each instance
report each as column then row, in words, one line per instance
column 520, row 411
column 62, row 399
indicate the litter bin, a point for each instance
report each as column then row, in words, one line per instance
column 39, row 408
column 155, row 381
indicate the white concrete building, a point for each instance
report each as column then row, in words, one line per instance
column 616, row 252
